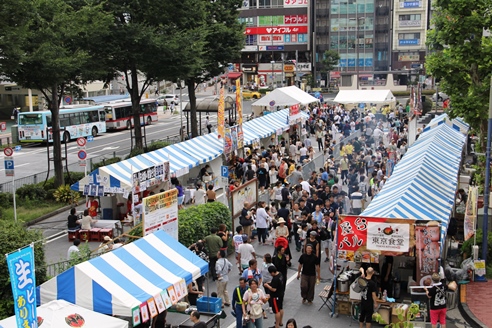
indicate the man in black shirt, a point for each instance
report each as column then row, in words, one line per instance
column 195, row 318
column 368, row 299
column 246, row 220
column 309, row 266
column 276, row 291
column 437, row 295
column 386, row 275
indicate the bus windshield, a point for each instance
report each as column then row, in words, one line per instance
column 30, row 119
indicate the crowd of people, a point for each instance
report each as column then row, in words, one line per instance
column 303, row 209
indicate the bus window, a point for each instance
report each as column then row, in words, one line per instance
column 64, row 120
column 48, row 121
column 75, row 119
column 109, row 112
column 27, row 119
column 102, row 116
column 85, row 117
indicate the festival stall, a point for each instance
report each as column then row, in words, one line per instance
column 138, row 280
column 59, row 313
column 417, row 199
column 355, row 97
column 282, row 97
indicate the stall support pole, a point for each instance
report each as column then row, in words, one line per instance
column 486, row 190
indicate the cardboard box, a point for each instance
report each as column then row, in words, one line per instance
column 395, row 310
column 343, row 307
column 385, row 312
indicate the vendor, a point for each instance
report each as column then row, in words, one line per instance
column 386, row 275
column 204, row 172
column 92, row 205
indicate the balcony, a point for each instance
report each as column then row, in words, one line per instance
column 322, row 30
column 410, row 23
column 322, row 13
column 382, row 28
column 322, row 47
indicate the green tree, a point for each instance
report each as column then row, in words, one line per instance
column 45, row 45
column 149, row 42
column 330, row 61
column 12, row 237
column 223, row 40
column 461, row 58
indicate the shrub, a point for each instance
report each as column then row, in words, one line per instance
column 467, row 246
column 66, row 195
column 31, row 192
column 195, row 222
column 135, row 152
column 50, row 183
column 105, row 162
column 157, row 145
column 12, row 237
column 6, row 200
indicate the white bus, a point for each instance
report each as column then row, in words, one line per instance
column 119, row 115
column 77, row 121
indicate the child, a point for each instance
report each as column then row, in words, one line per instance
column 302, row 232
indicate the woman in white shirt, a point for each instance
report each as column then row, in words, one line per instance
column 272, row 173
column 199, row 196
column 262, row 222
column 87, row 221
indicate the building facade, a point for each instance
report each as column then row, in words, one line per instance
column 411, row 21
column 277, row 50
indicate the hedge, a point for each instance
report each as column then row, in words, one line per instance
column 195, row 222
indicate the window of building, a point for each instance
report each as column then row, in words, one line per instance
column 251, row 40
column 408, row 36
column 271, row 20
column 248, row 21
column 264, row 3
column 415, row 17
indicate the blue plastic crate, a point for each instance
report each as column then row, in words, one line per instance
column 209, row 304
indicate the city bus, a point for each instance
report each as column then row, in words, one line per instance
column 119, row 115
column 77, row 122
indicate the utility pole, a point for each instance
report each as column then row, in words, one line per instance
column 486, row 190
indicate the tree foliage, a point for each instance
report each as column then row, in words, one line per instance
column 46, row 45
column 12, row 237
column 330, row 60
column 461, row 58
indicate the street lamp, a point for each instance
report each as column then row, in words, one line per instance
column 181, row 86
column 437, row 95
column 273, row 64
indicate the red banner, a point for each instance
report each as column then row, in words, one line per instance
column 363, row 239
column 277, row 30
column 294, row 114
column 295, row 19
column 220, row 114
column 428, row 252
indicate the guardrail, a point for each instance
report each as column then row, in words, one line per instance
column 74, row 167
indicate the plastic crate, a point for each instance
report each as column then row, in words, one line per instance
column 209, row 304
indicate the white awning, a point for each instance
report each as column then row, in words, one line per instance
column 364, row 96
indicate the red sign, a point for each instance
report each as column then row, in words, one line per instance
column 3, row 126
column 362, row 239
column 8, row 151
column 277, row 30
column 428, row 252
column 294, row 113
column 295, row 19
column 295, row 3
column 81, row 141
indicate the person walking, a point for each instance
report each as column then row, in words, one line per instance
column 368, row 298
column 237, row 301
column 277, row 291
column 246, row 253
column 255, row 298
column 222, row 268
column 262, row 222
column 246, row 220
column 307, row 271
column 208, row 125
column 213, row 244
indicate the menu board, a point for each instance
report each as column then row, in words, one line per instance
column 428, row 251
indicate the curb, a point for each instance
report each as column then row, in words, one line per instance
column 47, row 216
column 469, row 317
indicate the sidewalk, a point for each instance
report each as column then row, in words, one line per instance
column 477, row 306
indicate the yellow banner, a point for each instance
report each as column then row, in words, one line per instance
column 239, row 103
column 220, row 114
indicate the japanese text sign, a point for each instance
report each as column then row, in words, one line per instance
column 383, row 235
column 428, row 250
column 23, row 281
column 276, row 30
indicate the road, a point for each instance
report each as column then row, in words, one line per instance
column 33, row 159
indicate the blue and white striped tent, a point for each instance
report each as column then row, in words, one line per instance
column 456, row 123
column 424, row 182
column 187, row 154
column 118, row 281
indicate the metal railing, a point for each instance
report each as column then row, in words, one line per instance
column 75, row 167
column 352, row 136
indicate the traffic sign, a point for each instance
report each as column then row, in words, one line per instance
column 81, row 142
column 18, row 148
column 3, row 126
column 68, row 100
column 272, row 103
column 82, row 154
column 9, row 166
column 224, row 171
column 8, row 151
column 90, row 138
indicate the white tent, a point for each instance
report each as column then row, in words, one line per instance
column 60, row 313
column 364, row 96
column 286, row 96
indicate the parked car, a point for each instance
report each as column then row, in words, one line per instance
column 251, row 94
column 442, row 97
column 168, row 98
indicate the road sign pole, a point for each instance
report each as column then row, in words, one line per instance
column 15, row 206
